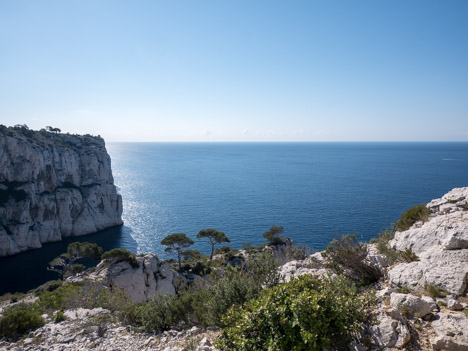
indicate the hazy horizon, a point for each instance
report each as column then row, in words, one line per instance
column 237, row 71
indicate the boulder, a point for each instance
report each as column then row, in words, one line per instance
column 417, row 307
column 433, row 268
column 391, row 329
column 454, row 305
column 451, row 332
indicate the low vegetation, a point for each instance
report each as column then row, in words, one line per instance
column 18, row 319
column 434, row 291
column 409, row 256
column 347, row 256
column 120, row 255
column 307, row 313
column 383, row 247
column 205, row 302
column 411, row 216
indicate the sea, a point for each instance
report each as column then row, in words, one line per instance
column 317, row 191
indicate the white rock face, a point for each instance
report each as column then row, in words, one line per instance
column 441, row 243
column 53, row 186
column 140, row 284
column 418, row 307
column 296, row 268
column 391, row 330
column 452, row 332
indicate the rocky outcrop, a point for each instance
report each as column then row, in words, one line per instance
column 441, row 244
column 140, row 283
column 53, row 186
column 415, row 306
column 452, row 332
column 391, row 330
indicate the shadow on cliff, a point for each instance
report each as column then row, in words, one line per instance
column 27, row 270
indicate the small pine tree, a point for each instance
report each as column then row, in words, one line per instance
column 274, row 235
column 214, row 236
column 176, row 242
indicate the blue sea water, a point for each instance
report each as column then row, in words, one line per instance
column 316, row 191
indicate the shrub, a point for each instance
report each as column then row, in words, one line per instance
column 274, row 235
column 19, row 319
column 120, row 255
column 305, row 314
column 434, row 291
column 208, row 299
column 59, row 316
column 51, row 285
column 298, row 252
column 86, row 295
column 347, row 256
column 383, row 247
column 163, row 312
column 411, row 216
column 409, row 256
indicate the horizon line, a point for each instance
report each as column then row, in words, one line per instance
column 292, row 141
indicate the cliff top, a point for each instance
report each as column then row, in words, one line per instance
column 48, row 136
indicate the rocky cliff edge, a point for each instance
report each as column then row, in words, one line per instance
column 53, row 186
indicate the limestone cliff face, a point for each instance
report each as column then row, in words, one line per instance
column 53, row 186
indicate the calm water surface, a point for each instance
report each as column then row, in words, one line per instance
column 315, row 190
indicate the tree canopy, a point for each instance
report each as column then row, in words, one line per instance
column 274, row 234
column 177, row 242
column 214, row 236
column 65, row 263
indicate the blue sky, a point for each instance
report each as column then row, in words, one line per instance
column 237, row 70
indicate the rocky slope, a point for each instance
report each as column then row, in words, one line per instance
column 53, row 186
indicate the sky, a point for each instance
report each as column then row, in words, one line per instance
column 237, row 70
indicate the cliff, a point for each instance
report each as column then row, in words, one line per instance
column 53, row 186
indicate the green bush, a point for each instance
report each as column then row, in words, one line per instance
column 59, row 317
column 274, row 235
column 118, row 255
column 163, row 312
column 208, row 299
column 86, row 295
column 19, row 319
column 305, row 314
column 347, row 256
column 411, row 216
column 382, row 243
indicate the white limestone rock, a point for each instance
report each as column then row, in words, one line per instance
column 297, row 268
column 150, row 278
column 452, row 332
column 53, row 186
column 442, row 232
column 418, row 307
column 446, row 269
column 441, row 244
column 391, row 329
